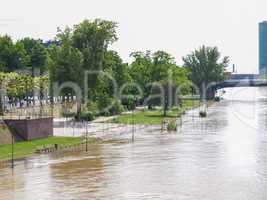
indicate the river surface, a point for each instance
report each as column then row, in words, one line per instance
column 223, row 156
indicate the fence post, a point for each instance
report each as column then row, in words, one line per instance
column 86, row 148
column 12, row 152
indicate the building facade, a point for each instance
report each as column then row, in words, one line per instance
column 263, row 48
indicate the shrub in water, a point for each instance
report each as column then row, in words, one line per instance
column 172, row 125
column 203, row 114
column 217, row 99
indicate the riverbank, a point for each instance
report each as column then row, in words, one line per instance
column 28, row 148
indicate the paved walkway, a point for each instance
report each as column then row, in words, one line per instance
column 96, row 129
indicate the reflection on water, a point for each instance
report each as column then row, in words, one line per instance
column 221, row 157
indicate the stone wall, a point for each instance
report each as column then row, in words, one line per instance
column 30, row 129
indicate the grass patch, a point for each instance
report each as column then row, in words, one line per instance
column 155, row 116
column 27, row 148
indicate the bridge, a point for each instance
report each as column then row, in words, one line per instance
column 237, row 80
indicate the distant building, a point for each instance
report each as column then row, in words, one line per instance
column 235, row 76
column 263, row 48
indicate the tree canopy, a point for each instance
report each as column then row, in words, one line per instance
column 206, row 65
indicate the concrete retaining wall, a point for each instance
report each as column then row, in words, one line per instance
column 30, row 129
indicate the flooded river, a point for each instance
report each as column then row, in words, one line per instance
column 221, row 157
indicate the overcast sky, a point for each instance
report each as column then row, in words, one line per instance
column 177, row 26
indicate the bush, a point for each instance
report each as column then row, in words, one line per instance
column 129, row 103
column 116, row 109
column 68, row 114
column 115, row 120
column 203, row 114
column 105, row 113
column 91, row 106
column 103, row 102
column 85, row 116
column 217, row 99
column 172, row 125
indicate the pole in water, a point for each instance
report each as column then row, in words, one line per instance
column 132, row 125
column 12, row 152
column 73, row 125
column 133, row 135
column 86, row 148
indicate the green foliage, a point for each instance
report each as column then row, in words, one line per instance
column 68, row 114
column 157, row 73
column 108, row 106
column 85, row 116
column 92, row 38
column 172, row 125
column 116, row 108
column 103, row 101
column 217, row 99
column 203, row 114
column 66, row 63
column 205, row 66
column 129, row 103
column 92, row 106
column 19, row 86
column 13, row 56
column 36, row 52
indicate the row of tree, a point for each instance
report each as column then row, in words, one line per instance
column 85, row 48
column 23, row 55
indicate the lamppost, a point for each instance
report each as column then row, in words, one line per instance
column 86, row 139
column 180, row 114
column 12, row 152
column 134, row 105
column 133, row 125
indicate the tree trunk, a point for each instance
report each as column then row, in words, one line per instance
column 79, row 107
column 165, row 106
column 1, row 106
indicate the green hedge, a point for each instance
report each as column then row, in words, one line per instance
column 85, row 116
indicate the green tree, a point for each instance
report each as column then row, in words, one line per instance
column 37, row 59
column 37, row 54
column 13, row 56
column 117, row 69
column 2, row 85
column 141, row 72
column 66, row 64
column 158, row 75
column 93, row 38
column 166, row 73
column 205, row 66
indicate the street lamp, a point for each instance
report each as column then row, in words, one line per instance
column 86, row 139
column 135, row 102
column 12, row 152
